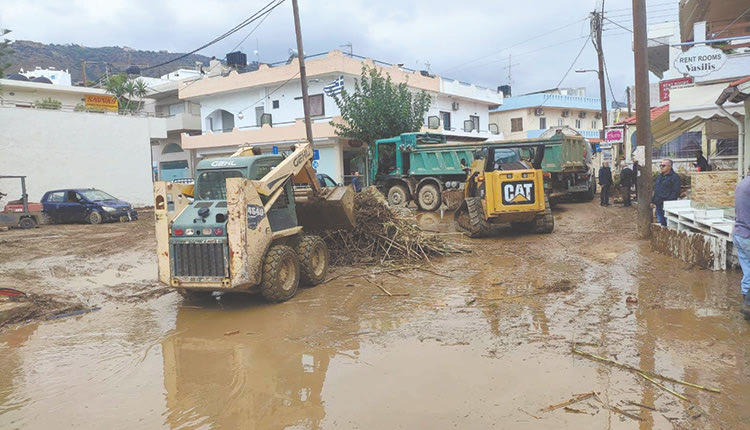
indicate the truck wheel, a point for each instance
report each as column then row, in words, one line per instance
column 398, row 195
column 94, row 218
column 429, row 198
column 589, row 194
column 470, row 218
column 27, row 223
column 313, row 258
column 544, row 223
column 280, row 278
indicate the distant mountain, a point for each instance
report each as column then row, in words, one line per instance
column 28, row 55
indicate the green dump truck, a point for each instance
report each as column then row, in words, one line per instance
column 423, row 167
column 567, row 167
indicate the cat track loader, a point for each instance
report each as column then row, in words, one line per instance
column 506, row 185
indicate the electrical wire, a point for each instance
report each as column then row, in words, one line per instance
column 251, row 32
column 606, row 73
column 484, row 57
column 257, row 15
column 569, row 69
column 625, row 28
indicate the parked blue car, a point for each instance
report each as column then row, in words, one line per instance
column 85, row 205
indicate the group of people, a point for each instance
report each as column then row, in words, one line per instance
column 666, row 187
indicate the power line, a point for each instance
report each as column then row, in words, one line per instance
column 569, row 69
column 512, row 46
column 625, row 28
column 606, row 73
column 257, row 15
column 252, row 31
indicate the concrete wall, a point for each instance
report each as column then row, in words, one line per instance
column 701, row 250
column 713, row 188
column 58, row 149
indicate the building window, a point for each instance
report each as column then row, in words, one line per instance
column 542, row 123
column 475, row 120
column 176, row 109
column 594, row 125
column 445, row 118
column 578, row 124
column 275, row 104
column 726, row 147
column 560, row 122
column 316, row 105
column 683, row 146
column 516, row 124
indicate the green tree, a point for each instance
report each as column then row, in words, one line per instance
column 128, row 91
column 378, row 108
column 5, row 52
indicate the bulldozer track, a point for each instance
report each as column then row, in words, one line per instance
column 470, row 218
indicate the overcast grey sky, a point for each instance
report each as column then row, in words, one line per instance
column 468, row 41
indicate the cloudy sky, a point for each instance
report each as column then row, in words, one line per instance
column 468, row 41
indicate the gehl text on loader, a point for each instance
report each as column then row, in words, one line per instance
column 506, row 185
column 247, row 226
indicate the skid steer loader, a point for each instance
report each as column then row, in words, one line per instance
column 505, row 185
column 243, row 229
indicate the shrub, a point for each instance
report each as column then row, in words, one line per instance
column 48, row 103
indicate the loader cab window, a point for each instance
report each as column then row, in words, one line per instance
column 212, row 185
column 504, row 159
column 386, row 157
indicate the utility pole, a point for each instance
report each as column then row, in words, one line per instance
column 630, row 112
column 302, row 73
column 596, row 28
column 643, row 117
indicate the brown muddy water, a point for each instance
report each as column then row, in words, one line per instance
column 483, row 340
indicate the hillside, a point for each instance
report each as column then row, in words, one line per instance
column 27, row 55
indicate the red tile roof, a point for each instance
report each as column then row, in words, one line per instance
column 656, row 112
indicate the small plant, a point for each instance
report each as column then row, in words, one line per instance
column 48, row 103
column 81, row 107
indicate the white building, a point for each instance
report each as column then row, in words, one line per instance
column 264, row 108
column 57, row 77
column 65, row 146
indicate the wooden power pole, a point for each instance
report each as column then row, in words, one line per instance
column 642, row 117
column 596, row 28
column 302, row 73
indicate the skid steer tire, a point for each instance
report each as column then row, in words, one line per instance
column 313, row 260
column 544, row 223
column 429, row 197
column 280, row 277
column 470, row 218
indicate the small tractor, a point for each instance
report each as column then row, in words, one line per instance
column 243, row 229
column 21, row 213
column 505, row 185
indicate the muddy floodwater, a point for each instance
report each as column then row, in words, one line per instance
column 479, row 340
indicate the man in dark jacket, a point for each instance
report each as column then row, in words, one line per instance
column 700, row 162
column 667, row 188
column 605, row 181
column 626, row 181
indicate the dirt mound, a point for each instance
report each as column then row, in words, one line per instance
column 383, row 234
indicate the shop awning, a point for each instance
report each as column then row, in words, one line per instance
column 699, row 101
column 662, row 128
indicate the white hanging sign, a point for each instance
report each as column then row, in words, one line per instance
column 700, row 60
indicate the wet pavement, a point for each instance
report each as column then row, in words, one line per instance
column 482, row 340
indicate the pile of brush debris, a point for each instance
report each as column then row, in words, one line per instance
column 383, row 234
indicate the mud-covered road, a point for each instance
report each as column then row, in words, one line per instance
column 472, row 341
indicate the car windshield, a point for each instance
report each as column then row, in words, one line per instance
column 212, row 185
column 96, row 195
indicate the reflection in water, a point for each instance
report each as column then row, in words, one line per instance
column 258, row 378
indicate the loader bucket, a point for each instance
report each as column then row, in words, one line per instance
column 333, row 210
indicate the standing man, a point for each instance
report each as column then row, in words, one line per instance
column 626, row 181
column 667, row 188
column 742, row 239
column 605, row 181
column 636, row 170
column 356, row 183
